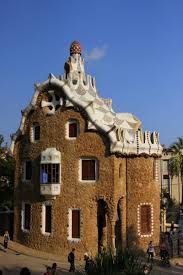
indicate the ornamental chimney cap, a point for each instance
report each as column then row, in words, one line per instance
column 75, row 48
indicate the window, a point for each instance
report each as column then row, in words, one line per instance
column 165, row 183
column 165, row 167
column 50, row 166
column 74, row 224
column 46, row 219
column 50, row 173
column 89, row 169
column 145, row 219
column 36, row 131
column 26, row 216
column 27, row 173
column 72, row 129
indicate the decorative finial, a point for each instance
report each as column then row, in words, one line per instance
column 75, row 48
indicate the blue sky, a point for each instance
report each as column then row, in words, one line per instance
column 134, row 48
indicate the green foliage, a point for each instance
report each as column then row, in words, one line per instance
column 126, row 263
column 176, row 162
column 172, row 211
column 7, row 166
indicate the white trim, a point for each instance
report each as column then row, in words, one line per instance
column 70, row 121
column 70, row 225
column 23, row 217
column 96, row 169
column 50, row 155
column 43, row 219
column 139, row 220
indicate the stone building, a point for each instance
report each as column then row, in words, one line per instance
column 85, row 175
column 170, row 184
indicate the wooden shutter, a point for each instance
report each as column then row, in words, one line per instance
column 73, row 129
column 145, row 219
column 27, row 213
column 75, row 223
column 88, row 169
column 48, row 218
column 28, row 170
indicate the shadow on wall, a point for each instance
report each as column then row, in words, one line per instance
column 133, row 241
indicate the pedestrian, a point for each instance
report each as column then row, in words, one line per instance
column 1, row 273
column 6, row 240
column 87, row 261
column 25, row 271
column 150, row 251
column 172, row 227
column 71, row 260
column 48, row 271
column 54, row 269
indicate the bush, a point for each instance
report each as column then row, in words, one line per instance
column 124, row 263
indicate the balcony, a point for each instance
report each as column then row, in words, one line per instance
column 50, row 189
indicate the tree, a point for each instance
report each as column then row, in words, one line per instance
column 176, row 162
column 7, row 166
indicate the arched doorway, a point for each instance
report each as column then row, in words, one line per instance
column 102, row 211
column 118, row 225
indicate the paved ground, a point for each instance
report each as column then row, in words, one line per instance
column 11, row 263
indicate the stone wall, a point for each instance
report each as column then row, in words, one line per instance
column 141, row 188
column 124, row 183
column 74, row 194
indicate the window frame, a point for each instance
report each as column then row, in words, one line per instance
column 43, row 222
column 23, row 217
column 72, row 121
column 141, row 234
column 70, row 238
column 59, row 173
column 96, row 169
column 32, row 132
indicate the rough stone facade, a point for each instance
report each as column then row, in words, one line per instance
column 124, row 183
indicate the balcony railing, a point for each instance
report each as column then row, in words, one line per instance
column 50, row 189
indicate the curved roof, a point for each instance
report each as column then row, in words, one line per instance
column 123, row 129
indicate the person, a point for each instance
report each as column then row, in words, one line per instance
column 150, row 251
column 162, row 250
column 6, row 239
column 172, row 227
column 48, row 271
column 25, row 271
column 1, row 273
column 54, row 269
column 87, row 262
column 71, row 260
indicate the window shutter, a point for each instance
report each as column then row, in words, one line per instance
column 73, row 129
column 27, row 213
column 48, row 218
column 88, row 169
column 75, row 223
column 145, row 219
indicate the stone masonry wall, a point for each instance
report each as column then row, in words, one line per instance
column 74, row 194
column 141, row 188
